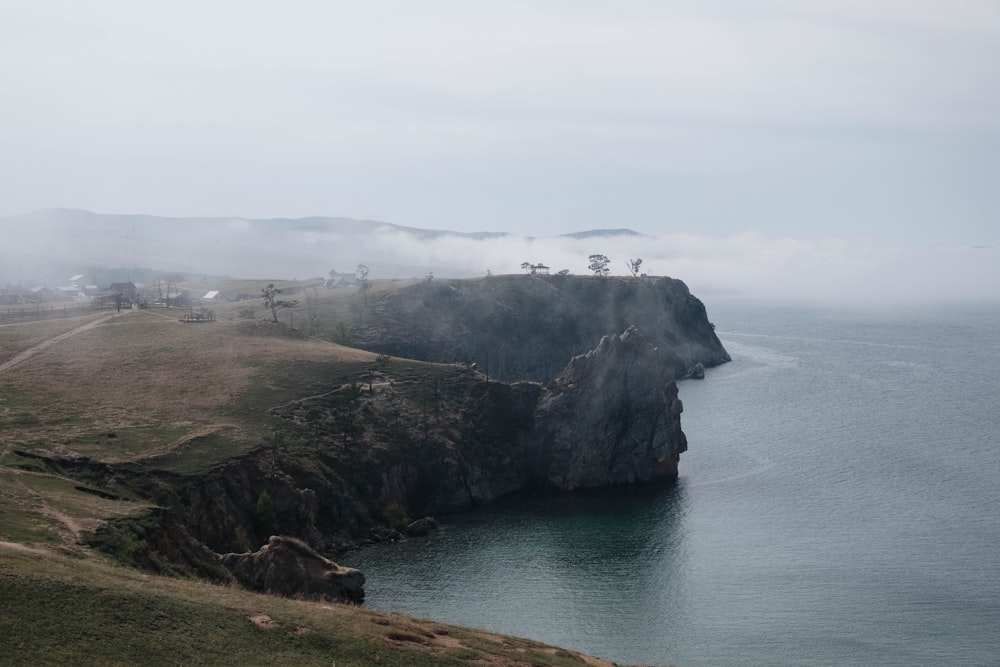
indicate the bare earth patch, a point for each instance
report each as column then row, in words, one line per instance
column 263, row 621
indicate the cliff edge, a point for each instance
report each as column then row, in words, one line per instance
column 529, row 327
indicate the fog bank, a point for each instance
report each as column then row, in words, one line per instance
column 39, row 247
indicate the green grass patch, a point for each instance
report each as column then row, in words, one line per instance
column 23, row 524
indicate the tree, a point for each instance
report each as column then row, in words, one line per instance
column 272, row 302
column 633, row 267
column 526, row 266
column 599, row 265
column 362, row 273
column 266, row 515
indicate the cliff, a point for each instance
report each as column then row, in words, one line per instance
column 612, row 417
column 380, row 441
column 529, row 327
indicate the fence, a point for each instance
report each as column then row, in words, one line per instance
column 40, row 312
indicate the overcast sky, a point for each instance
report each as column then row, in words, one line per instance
column 809, row 124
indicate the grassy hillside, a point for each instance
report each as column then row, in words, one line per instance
column 61, row 609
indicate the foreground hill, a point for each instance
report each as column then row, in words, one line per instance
column 61, row 609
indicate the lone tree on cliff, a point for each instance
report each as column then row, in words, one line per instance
column 633, row 267
column 599, row 265
column 271, row 300
column 362, row 274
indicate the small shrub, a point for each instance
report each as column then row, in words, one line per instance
column 265, row 516
column 342, row 335
column 396, row 516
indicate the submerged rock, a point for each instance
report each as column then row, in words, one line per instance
column 383, row 534
column 421, row 527
column 696, row 373
column 287, row 566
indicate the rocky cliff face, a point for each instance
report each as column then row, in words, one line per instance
column 612, row 417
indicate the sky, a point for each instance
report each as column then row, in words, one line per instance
column 816, row 135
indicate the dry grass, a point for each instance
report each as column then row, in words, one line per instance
column 145, row 378
column 16, row 336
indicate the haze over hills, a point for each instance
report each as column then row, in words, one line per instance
column 45, row 247
column 50, row 242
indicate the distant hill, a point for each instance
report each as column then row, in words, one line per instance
column 602, row 233
column 43, row 247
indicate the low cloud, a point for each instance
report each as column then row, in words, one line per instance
column 749, row 265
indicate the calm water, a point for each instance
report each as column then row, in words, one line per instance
column 839, row 505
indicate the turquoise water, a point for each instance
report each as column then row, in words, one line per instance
column 839, row 505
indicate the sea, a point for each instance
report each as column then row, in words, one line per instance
column 839, row 505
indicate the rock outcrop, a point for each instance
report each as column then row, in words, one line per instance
column 421, row 527
column 287, row 566
column 612, row 417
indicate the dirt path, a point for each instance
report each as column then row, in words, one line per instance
column 69, row 529
column 21, row 357
column 17, row 546
column 197, row 434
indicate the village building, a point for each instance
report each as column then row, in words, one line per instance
column 213, row 296
column 338, row 279
column 127, row 291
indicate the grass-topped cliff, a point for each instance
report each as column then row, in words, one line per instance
column 527, row 327
column 163, row 444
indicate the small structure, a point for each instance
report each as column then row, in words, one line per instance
column 127, row 291
column 212, row 296
column 338, row 279
column 200, row 315
column 71, row 293
column 40, row 293
column 539, row 269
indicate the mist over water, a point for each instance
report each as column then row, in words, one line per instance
column 838, row 506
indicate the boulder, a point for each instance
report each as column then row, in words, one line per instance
column 287, row 566
column 696, row 373
column 383, row 534
column 421, row 527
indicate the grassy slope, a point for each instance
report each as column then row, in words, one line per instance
column 59, row 609
column 146, row 389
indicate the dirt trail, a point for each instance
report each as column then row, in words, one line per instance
column 17, row 546
column 69, row 528
column 201, row 432
column 45, row 344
